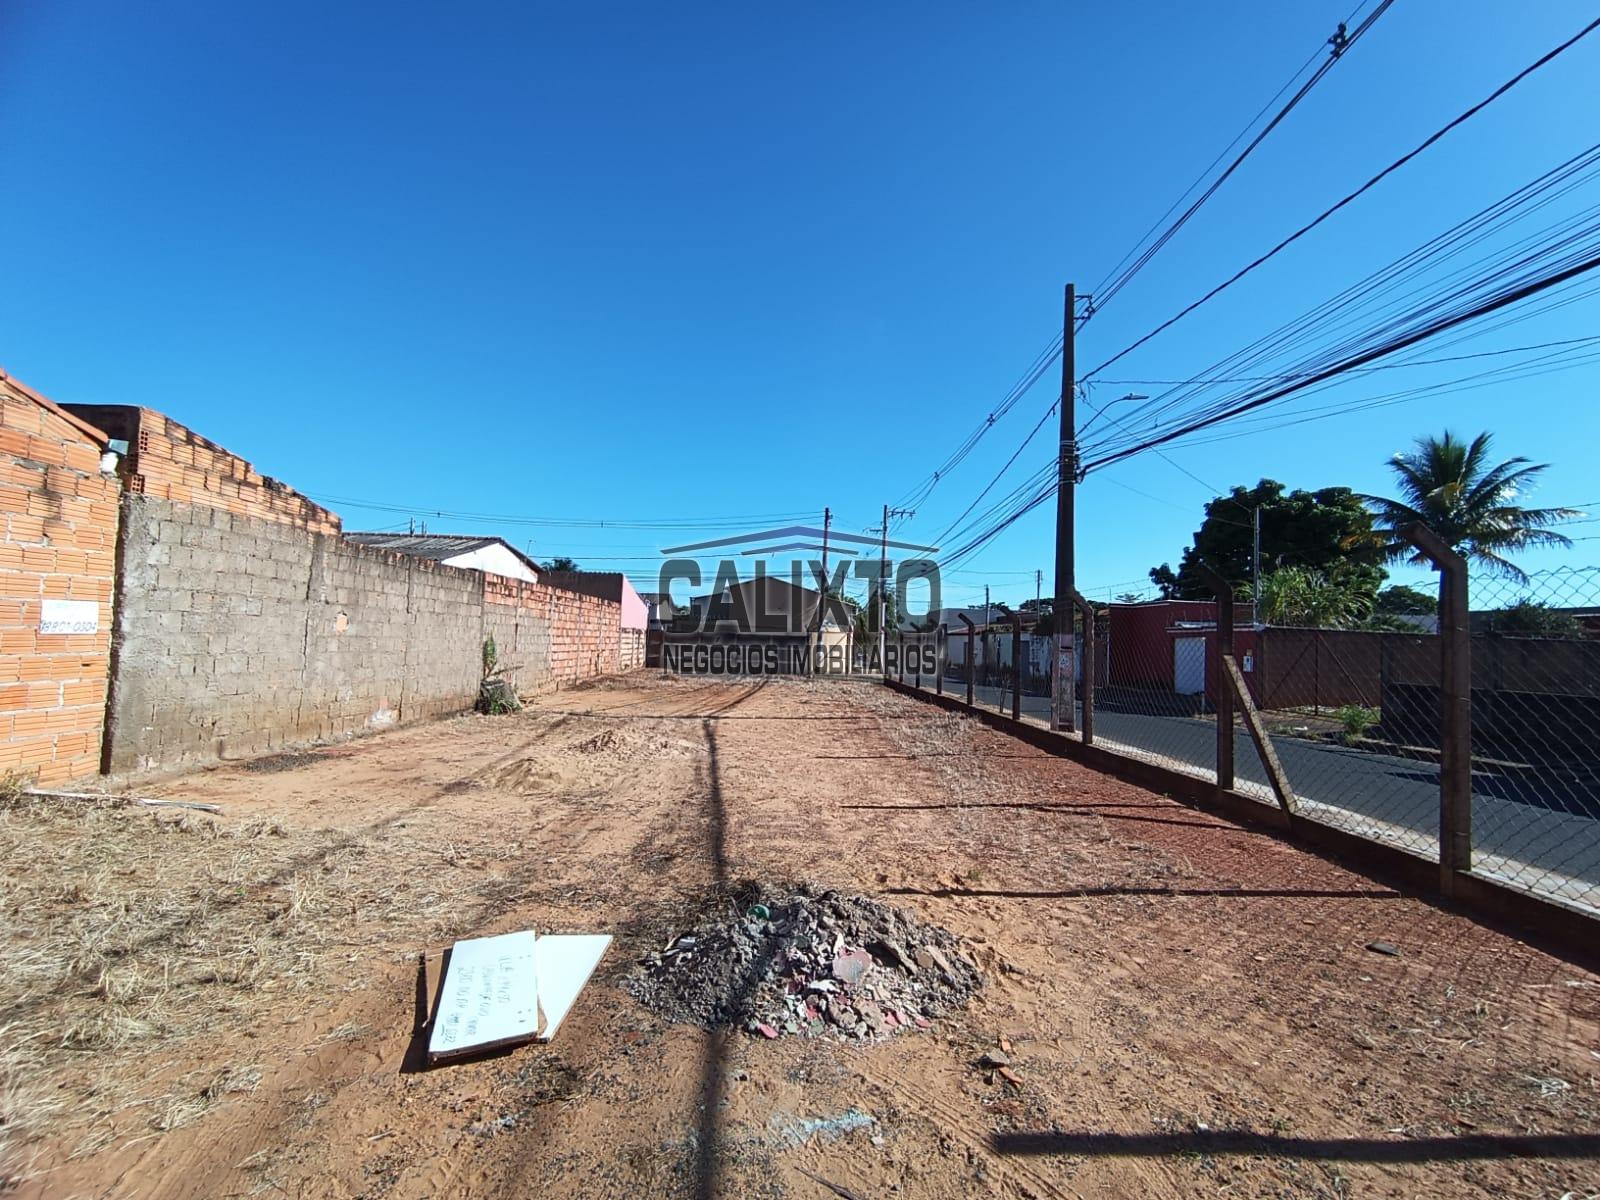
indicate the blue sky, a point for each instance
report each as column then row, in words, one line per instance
column 655, row 261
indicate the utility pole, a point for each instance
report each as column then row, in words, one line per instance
column 1062, row 716
column 883, row 596
column 988, row 636
column 822, row 605
column 1255, row 569
column 883, row 582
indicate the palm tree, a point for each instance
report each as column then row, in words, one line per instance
column 1449, row 486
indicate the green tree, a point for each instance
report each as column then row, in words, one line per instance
column 1450, row 486
column 866, row 614
column 560, row 563
column 1397, row 609
column 1043, row 611
column 1300, row 596
column 1400, row 600
column 1529, row 619
column 1326, row 531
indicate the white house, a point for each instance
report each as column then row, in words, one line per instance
column 488, row 554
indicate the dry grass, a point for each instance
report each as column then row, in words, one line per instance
column 127, row 931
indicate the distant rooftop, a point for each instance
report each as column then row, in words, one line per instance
column 437, row 546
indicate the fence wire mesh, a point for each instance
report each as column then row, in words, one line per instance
column 1536, row 732
column 1352, row 713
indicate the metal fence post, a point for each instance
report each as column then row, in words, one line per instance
column 967, row 621
column 941, row 644
column 1016, row 667
column 1455, row 707
column 1217, row 680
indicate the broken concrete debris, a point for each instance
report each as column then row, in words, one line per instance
column 806, row 961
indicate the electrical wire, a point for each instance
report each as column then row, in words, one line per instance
column 709, row 523
column 1379, row 297
column 1123, row 273
column 1429, row 329
column 1371, row 183
column 1108, row 291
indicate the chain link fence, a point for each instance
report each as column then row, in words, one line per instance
column 1536, row 731
column 1351, row 712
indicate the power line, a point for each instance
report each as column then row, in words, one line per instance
column 1445, row 388
column 1371, row 183
column 1341, row 43
column 1120, row 277
column 1021, row 502
column 1034, row 432
column 728, row 522
column 1415, row 362
column 1483, row 308
column 1368, row 297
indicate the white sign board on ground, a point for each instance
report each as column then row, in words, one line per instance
column 511, row 988
column 69, row 616
column 564, row 962
column 490, row 996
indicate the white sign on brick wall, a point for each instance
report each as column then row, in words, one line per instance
column 70, row 616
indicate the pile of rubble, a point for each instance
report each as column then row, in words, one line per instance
column 779, row 961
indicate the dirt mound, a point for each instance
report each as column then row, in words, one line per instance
column 799, row 960
column 606, row 739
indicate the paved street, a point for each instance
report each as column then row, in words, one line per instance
column 1541, row 831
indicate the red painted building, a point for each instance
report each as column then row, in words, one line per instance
column 1170, row 646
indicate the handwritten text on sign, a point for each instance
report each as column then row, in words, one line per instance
column 490, row 994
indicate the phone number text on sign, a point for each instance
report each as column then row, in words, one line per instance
column 69, row 616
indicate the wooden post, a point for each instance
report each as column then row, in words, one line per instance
column 1223, row 650
column 1233, row 694
column 1089, row 663
column 1455, row 707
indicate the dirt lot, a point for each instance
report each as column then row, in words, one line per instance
column 203, row 1006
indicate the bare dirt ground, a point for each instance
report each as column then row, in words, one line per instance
column 199, row 1006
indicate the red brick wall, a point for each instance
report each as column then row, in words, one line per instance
column 59, row 515
column 172, row 462
column 575, row 636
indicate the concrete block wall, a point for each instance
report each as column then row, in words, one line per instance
column 630, row 650
column 238, row 635
column 58, row 524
